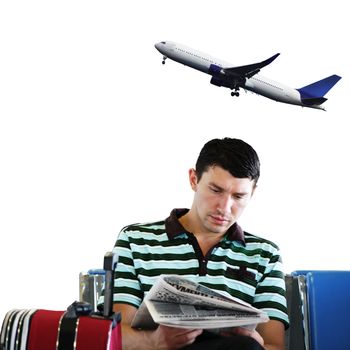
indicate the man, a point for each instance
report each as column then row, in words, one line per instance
column 206, row 245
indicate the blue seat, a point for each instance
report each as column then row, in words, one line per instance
column 328, row 308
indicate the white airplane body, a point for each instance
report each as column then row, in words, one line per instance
column 247, row 77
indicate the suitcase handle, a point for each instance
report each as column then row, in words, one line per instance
column 109, row 265
column 78, row 308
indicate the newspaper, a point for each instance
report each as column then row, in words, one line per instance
column 175, row 301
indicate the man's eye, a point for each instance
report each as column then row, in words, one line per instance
column 239, row 196
column 215, row 190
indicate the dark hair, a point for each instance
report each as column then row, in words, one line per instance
column 233, row 155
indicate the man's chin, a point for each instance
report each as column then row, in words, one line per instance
column 218, row 229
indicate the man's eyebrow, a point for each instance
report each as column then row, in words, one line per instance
column 213, row 184
column 241, row 193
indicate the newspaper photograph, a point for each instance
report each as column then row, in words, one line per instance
column 178, row 302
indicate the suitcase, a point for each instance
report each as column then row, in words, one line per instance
column 77, row 328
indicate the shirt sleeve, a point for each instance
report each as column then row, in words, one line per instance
column 126, row 289
column 270, row 294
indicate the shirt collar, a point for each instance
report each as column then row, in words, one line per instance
column 174, row 228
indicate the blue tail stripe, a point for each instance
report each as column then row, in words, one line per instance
column 319, row 88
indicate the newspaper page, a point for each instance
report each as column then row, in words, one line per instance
column 178, row 302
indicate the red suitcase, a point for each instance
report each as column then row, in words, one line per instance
column 77, row 328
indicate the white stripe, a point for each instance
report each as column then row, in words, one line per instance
column 166, row 264
column 160, row 249
column 265, row 297
column 238, row 256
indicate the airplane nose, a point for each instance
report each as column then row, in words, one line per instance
column 157, row 46
column 162, row 47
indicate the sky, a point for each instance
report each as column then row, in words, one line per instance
column 96, row 134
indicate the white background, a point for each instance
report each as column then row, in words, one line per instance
column 95, row 133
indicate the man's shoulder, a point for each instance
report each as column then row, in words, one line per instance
column 254, row 239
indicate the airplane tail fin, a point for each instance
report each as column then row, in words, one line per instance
column 313, row 94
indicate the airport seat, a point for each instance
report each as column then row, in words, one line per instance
column 328, row 306
column 295, row 338
column 91, row 286
column 318, row 305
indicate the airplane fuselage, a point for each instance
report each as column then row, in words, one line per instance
column 218, row 70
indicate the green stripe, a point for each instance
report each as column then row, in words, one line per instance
column 168, row 257
column 147, row 229
column 126, row 261
column 164, row 271
column 126, row 290
column 221, row 272
column 270, row 289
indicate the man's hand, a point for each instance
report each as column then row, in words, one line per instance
column 169, row 338
column 162, row 338
column 270, row 335
column 244, row 331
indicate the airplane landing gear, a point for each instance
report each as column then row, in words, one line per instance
column 164, row 58
column 234, row 90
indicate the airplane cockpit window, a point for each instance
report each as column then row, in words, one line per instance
column 163, row 42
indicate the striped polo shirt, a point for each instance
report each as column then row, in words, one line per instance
column 240, row 265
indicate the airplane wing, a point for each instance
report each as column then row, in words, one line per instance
column 249, row 70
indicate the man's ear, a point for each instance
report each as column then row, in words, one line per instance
column 254, row 189
column 193, row 179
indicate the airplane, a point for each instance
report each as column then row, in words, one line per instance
column 247, row 77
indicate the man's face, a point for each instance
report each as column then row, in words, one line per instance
column 219, row 199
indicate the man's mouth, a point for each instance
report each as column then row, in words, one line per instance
column 219, row 220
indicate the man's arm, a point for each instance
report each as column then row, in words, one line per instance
column 161, row 338
column 269, row 335
column 273, row 334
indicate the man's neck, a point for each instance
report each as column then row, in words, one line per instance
column 205, row 238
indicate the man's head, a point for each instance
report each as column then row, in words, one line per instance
column 232, row 155
column 224, row 180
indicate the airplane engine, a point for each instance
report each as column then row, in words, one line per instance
column 221, row 82
column 216, row 81
column 215, row 70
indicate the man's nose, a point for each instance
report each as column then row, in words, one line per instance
column 225, row 204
